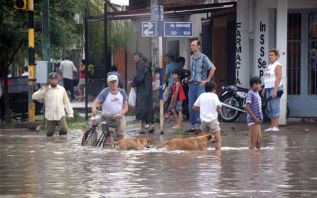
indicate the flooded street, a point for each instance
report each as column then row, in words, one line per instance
column 36, row 166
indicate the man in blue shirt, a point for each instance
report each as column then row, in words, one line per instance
column 199, row 66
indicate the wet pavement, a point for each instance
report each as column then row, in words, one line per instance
column 32, row 165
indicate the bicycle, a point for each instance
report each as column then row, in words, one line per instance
column 108, row 124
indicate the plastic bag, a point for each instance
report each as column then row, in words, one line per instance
column 132, row 97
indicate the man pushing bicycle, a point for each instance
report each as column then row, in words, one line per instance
column 114, row 103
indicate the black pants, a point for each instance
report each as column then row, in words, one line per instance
column 2, row 108
column 69, row 86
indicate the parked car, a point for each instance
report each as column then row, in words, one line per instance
column 18, row 97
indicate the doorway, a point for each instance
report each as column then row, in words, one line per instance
column 302, row 63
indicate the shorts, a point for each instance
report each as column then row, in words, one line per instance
column 210, row 127
column 251, row 121
column 273, row 106
column 178, row 107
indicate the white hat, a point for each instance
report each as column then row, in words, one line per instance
column 112, row 78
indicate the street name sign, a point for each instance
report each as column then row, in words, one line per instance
column 178, row 29
column 149, row 29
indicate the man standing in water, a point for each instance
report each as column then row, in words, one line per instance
column 199, row 66
column 56, row 101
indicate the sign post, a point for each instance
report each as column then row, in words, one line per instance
column 154, row 29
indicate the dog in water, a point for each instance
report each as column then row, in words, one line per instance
column 196, row 143
column 132, row 143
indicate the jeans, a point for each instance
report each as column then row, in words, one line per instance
column 273, row 106
column 193, row 93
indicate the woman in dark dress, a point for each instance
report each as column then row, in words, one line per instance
column 144, row 99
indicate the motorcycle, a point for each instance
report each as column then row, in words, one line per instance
column 233, row 99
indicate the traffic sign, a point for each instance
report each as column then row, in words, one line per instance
column 149, row 29
column 178, row 29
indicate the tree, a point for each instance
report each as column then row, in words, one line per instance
column 13, row 33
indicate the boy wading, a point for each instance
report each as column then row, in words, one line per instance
column 209, row 105
column 255, row 116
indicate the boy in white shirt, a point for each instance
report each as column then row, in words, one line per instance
column 210, row 106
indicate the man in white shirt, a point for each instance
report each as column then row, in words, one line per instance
column 25, row 71
column 211, row 105
column 68, row 68
column 114, row 102
column 56, row 102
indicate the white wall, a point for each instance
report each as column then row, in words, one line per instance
column 242, row 44
column 281, row 44
column 262, row 24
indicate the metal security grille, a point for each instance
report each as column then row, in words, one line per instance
column 312, row 55
column 294, row 53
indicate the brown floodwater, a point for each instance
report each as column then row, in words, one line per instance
column 32, row 165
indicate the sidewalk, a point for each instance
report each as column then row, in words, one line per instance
column 295, row 125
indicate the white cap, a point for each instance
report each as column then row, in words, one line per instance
column 112, row 78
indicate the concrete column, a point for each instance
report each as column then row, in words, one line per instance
column 281, row 45
column 242, row 44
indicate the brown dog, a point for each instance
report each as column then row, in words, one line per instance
column 197, row 143
column 132, row 143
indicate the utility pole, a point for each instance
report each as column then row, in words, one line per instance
column 157, row 14
column 32, row 79
column 105, row 39
column 46, row 43
column 87, row 61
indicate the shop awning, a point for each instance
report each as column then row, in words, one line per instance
column 168, row 12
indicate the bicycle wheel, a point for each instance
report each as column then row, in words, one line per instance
column 109, row 139
column 101, row 139
column 89, row 138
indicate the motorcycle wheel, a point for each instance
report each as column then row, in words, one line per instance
column 227, row 114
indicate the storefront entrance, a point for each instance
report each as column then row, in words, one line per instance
column 302, row 63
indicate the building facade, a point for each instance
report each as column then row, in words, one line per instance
column 291, row 27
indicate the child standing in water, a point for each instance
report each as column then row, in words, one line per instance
column 209, row 106
column 177, row 99
column 254, row 110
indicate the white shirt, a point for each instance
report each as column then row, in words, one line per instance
column 56, row 101
column 68, row 68
column 113, row 104
column 25, row 74
column 269, row 75
column 208, row 103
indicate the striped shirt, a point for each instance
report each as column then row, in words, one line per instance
column 254, row 99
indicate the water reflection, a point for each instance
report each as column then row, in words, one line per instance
column 34, row 165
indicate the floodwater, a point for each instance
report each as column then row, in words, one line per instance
column 32, row 165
